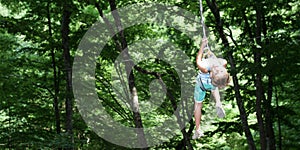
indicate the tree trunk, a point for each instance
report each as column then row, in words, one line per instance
column 219, row 25
column 185, row 142
column 55, row 80
column 269, row 117
column 268, row 107
column 278, row 122
column 186, row 136
column 122, row 46
column 65, row 29
column 258, row 79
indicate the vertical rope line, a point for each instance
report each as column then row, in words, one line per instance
column 202, row 23
column 202, row 18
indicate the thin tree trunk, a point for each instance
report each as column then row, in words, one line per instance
column 186, row 137
column 258, row 79
column 122, row 46
column 65, row 29
column 269, row 117
column 268, row 107
column 278, row 122
column 219, row 25
column 9, row 139
column 247, row 26
column 55, row 80
column 258, row 85
column 185, row 142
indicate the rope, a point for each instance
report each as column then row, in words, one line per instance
column 209, row 53
column 202, row 18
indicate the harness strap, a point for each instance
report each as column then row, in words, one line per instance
column 202, row 86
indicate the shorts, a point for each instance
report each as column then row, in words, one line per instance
column 199, row 94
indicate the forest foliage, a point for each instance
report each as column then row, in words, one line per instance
column 39, row 41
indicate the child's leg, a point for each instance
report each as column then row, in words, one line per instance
column 198, row 114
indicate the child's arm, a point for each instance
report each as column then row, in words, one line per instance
column 216, row 95
column 199, row 57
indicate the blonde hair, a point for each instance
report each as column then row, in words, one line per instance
column 219, row 76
